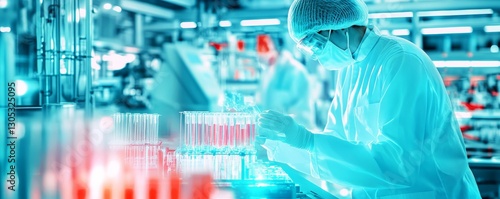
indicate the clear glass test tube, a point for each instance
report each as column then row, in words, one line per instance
column 239, row 131
column 188, row 130
column 230, row 132
column 116, row 127
column 157, row 128
column 208, row 131
column 128, row 126
column 123, row 128
column 199, row 130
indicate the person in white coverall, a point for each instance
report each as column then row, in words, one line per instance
column 391, row 131
column 285, row 87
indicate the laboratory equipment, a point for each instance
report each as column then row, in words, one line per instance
column 189, row 78
column 221, row 166
column 64, row 49
column 135, row 138
column 264, row 180
column 135, row 128
column 242, row 175
column 208, row 132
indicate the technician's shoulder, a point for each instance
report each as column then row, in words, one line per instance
column 395, row 50
column 399, row 58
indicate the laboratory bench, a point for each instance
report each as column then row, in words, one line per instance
column 45, row 143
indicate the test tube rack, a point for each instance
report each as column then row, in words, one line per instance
column 135, row 138
column 227, row 132
column 135, row 129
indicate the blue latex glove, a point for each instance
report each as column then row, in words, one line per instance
column 294, row 134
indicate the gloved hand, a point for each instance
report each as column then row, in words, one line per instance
column 295, row 134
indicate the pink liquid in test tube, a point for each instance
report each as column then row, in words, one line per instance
column 231, row 136
column 238, row 135
column 225, row 135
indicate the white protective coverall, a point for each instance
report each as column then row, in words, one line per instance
column 391, row 132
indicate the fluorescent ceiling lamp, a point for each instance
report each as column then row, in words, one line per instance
column 188, row 24
column 401, row 32
column 448, row 30
column 260, row 22
column 225, row 23
column 439, row 13
column 117, row 9
column 107, row 6
column 4, row 3
column 384, row 32
column 391, row 15
column 4, row 29
column 466, row 64
column 492, row 28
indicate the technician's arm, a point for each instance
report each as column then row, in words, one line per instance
column 399, row 120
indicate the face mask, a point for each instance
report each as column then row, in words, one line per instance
column 334, row 58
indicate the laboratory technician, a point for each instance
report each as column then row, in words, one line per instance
column 391, row 131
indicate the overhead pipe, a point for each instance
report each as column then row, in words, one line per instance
column 147, row 9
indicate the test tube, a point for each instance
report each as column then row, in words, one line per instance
column 157, row 127
column 239, row 131
column 128, row 126
column 151, row 127
column 200, row 130
column 124, row 128
column 246, row 134
column 147, row 128
column 181, row 129
column 187, row 133
column 208, row 131
column 137, row 126
column 219, row 130
column 116, row 127
column 230, row 133
column 189, row 130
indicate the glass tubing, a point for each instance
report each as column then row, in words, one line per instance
column 135, row 129
column 217, row 132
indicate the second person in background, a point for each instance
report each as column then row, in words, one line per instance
column 285, row 85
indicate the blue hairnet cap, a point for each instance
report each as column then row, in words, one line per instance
column 310, row 16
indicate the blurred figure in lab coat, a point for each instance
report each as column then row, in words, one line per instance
column 285, row 85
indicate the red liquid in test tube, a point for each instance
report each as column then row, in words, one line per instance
column 231, row 135
column 213, row 136
column 226, row 135
column 220, row 134
column 238, row 135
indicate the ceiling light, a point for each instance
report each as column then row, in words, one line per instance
column 401, row 32
column 466, row 64
column 4, row 29
column 439, row 13
column 117, row 9
column 225, row 23
column 390, row 15
column 4, row 3
column 492, row 28
column 447, row 30
column 189, row 24
column 107, row 6
column 384, row 32
column 260, row 22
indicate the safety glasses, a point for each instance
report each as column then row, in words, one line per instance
column 312, row 45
